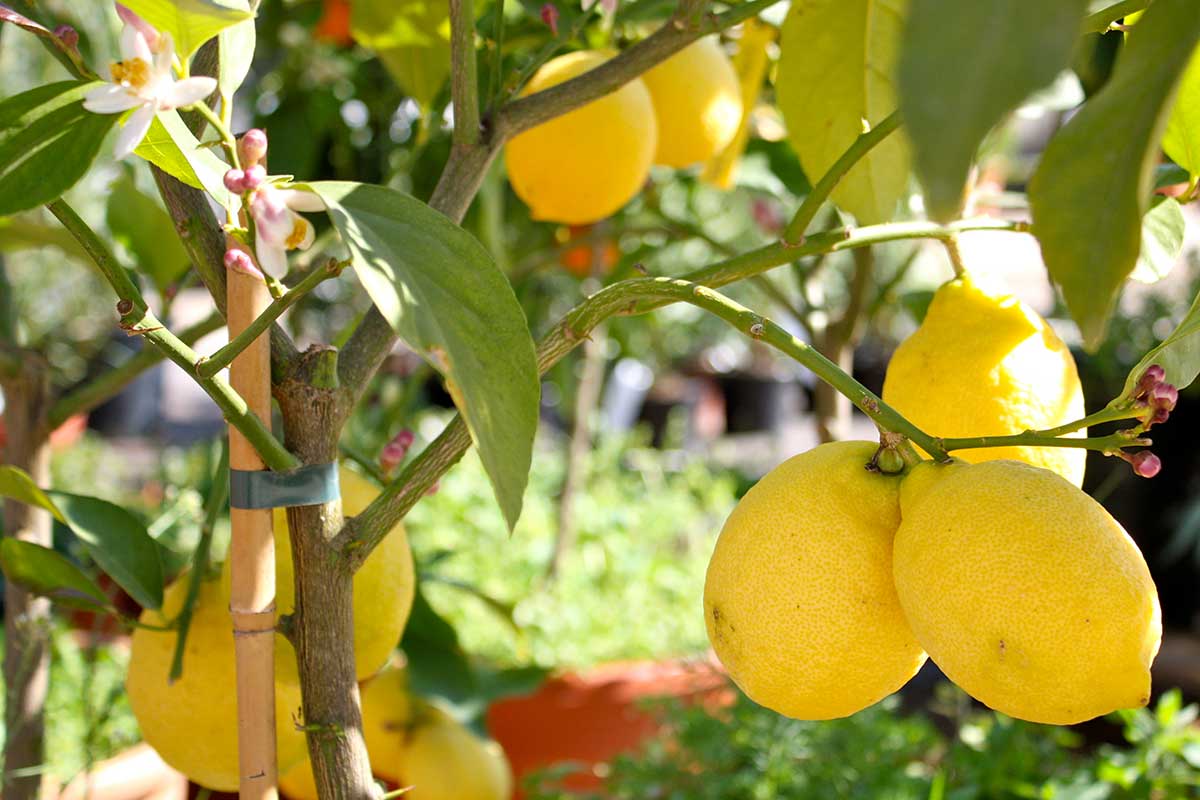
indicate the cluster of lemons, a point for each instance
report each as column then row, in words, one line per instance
column 585, row 165
column 192, row 722
column 830, row 582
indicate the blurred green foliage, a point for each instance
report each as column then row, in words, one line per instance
column 883, row 753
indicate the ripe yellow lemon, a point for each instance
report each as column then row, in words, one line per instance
column 192, row 723
column 985, row 364
column 585, row 165
column 445, row 761
column 799, row 599
column 414, row 743
column 387, row 709
column 697, row 103
column 298, row 782
column 1025, row 591
column 383, row 586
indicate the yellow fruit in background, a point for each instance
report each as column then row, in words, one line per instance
column 799, row 600
column 1025, row 591
column 446, row 761
column 387, row 709
column 984, row 364
column 383, row 586
column 298, row 782
column 697, row 103
column 192, row 723
column 585, row 165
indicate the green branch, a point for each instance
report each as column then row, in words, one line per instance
column 1105, row 444
column 211, row 365
column 464, row 82
column 138, row 319
column 108, row 384
column 794, row 232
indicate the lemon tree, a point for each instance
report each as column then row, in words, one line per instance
column 868, row 127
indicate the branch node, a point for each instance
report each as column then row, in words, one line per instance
column 757, row 330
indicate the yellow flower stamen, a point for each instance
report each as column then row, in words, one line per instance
column 296, row 237
column 133, row 72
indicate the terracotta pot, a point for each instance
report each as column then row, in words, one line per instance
column 592, row 717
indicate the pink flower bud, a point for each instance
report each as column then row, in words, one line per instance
column 395, row 450
column 252, row 147
column 68, row 36
column 255, row 175
column 1145, row 464
column 1165, row 396
column 235, row 181
column 1154, row 374
column 766, row 215
column 550, row 17
column 1159, row 416
column 239, row 260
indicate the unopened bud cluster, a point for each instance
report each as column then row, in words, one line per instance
column 396, row 450
column 1155, row 395
column 252, row 148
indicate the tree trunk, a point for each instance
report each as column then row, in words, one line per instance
column 322, row 625
column 26, row 618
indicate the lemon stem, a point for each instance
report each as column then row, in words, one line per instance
column 867, row 140
column 464, row 84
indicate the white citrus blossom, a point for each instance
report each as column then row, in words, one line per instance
column 277, row 226
column 142, row 80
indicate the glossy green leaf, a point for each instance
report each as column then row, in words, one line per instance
column 1181, row 140
column 171, row 147
column 411, row 38
column 237, row 53
column 1163, row 230
column 118, row 542
column 47, row 143
column 835, row 71
column 963, row 66
column 443, row 294
column 16, row 484
column 191, row 23
column 46, row 572
column 1092, row 187
column 138, row 221
column 1178, row 355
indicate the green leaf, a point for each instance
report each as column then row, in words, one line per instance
column 191, row 23
column 835, row 71
column 411, row 38
column 443, row 294
column 46, row 572
column 1092, row 187
column 16, row 484
column 171, row 147
column 118, row 542
column 437, row 665
column 963, row 66
column 47, row 143
column 1178, row 355
column 1163, row 229
column 237, row 53
column 1181, row 140
column 140, row 223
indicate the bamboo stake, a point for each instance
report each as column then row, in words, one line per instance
column 252, row 554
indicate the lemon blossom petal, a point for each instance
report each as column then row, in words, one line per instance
column 187, row 91
column 131, row 19
column 110, row 99
column 134, row 131
column 301, row 201
column 271, row 258
column 134, row 45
